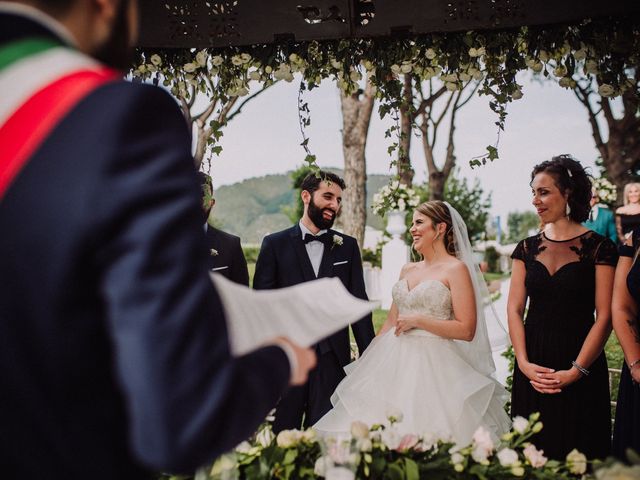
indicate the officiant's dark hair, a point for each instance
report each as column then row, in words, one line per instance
column 54, row 7
column 570, row 177
column 311, row 182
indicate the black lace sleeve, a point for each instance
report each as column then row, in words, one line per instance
column 607, row 253
column 630, row 250
column 520, row 251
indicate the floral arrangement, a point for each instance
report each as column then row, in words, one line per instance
column 606, row 191
column 380, row 452
column 605, row 50
column 394, row 196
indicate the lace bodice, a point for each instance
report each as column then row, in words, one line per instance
column 429, row 297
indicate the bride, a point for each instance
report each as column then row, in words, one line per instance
column 431, row 359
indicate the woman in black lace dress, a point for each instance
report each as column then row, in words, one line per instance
column 626, row 298
column 566, row 272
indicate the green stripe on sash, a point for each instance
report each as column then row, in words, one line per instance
column 24, row 48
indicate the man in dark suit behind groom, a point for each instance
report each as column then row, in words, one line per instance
column 114, row 356
column 225, row 254
column 304, row 252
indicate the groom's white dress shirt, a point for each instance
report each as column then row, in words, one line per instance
column 315, row 250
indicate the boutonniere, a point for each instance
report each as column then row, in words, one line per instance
column 213, row 252
column 337, row 240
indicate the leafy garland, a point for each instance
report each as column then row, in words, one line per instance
column 607, row 50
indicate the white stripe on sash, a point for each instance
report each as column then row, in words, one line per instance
column 22, row 79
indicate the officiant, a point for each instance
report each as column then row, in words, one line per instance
column 309, row 250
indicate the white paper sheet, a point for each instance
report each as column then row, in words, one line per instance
column 305, row 313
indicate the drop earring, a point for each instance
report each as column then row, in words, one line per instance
column 567, row 210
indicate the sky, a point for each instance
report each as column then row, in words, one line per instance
column 265, row 139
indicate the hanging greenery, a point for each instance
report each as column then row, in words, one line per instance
column 607, row 50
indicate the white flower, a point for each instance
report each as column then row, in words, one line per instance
column 576, row 462
column 287, row 438
column 452, row 87
column 520, row 424
column 217, row 61
column 517, row 95
column 465, row 77
column 395, row 68
column 337, row 240
column 402, row 205
column 364, row 445
column 236, row 60
column 430, row 53
column 507, row 457
column 605, row 90
column 213, row 252
column 394, row 415
column 359, row 429
column 320, row 467
column 391, row 438
column 336, row 64
column 201, row 58
column 254, row 75
column 456, row 459
column 265, row 437
column 473, row 52
column 406, row 67
column 534, row 456
column 245, row 57
column 482, row 439
column 156, row 59
column 618, row 471
column 244, row 447
column 189, row 67
column 544, row 55
column 567, row 82
column 429, row 440
column 309, row 435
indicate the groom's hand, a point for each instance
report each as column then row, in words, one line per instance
column 302, row 360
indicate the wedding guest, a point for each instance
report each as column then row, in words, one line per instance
column 225, row 255
column 309, row 250
column 601, row 220
column 566, row 272
column 628, row 215
column 626, row 432
column 114, row 358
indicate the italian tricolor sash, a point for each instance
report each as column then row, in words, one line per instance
column 40, row 81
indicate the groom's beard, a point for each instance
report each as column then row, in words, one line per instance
column 117, row 52
column 315, row 214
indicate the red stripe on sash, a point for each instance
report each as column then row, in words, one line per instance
column 29, row 126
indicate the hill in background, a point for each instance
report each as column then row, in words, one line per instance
column 255, row 207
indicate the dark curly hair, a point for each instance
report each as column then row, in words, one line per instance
column 570, row 177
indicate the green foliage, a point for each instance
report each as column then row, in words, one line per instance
column 374, row 257
column 295, row 210
column 492, row 257
column 519, row 224
column 250, row 253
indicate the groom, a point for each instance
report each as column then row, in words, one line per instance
column 304, row 252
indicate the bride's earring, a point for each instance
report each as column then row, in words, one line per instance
column 567, row 210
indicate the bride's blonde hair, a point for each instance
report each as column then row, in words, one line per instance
column 438, row 212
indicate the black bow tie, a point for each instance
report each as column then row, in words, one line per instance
column 324, row 238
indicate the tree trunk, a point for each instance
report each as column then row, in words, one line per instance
column 405, row 171
column 437, row 180
column 356, row 116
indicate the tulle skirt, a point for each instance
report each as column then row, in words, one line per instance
column 424, row 377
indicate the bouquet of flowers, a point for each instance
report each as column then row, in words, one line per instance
column 606, row 191
column 394, row 196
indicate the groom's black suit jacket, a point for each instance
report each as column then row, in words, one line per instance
column 114, row 357
column 283, row 261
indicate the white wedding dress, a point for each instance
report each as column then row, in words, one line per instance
column 421, row 375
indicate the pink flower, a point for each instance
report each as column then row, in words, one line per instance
column 534, row 456
column 407, row 442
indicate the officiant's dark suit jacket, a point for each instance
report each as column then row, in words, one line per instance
column 114, row 358
column 283, row 261
column 225, row 256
